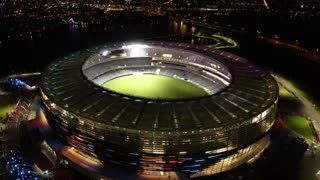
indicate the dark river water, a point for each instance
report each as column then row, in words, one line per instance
column 32, row 51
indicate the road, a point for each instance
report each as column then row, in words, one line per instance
column 292, row 47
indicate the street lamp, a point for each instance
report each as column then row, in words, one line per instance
column 46, row 174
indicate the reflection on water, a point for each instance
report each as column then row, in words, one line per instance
column 180, row 27
column 193, row 29
column 191, row 34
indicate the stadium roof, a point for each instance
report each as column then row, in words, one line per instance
column 250, row 93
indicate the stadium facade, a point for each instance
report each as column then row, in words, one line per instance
column 192, row 137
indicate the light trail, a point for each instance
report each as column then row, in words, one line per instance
column 266, row 4
column 167, row 2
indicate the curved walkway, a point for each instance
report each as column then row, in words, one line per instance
column 309, row 110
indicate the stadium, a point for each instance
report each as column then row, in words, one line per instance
column 157, row 109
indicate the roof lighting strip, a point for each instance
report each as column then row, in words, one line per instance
column 211, row 113
column 224, row 109
column 105, row 109
column 246, row 100
column 237, row 105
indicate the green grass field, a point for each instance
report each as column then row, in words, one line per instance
column 154, row 87
column 283, row 93
column 300, row 125
column 6, row 105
